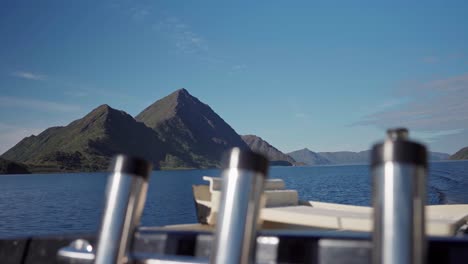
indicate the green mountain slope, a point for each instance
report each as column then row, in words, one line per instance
column 462, row 154
column 89, row 143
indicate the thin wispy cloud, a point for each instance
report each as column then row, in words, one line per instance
column 35, row 104
column 139, row 13
column 439, row 107
column 185, row 39
column 86, row 91
column 430, row 59
column 296, row 110
column 385, row 105
column 436, row 59
column 238, row 68
column 453, row 84
column 300, row 115
column 394, row 102
column 433, row 137
column 75, row 93
column 29, row 75
column 457, row 55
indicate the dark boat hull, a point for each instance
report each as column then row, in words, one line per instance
column 293, row 247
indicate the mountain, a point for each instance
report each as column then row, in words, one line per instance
column 462, row 154
column 88, row 144
column 345, row 157
column 11, row 167
column 435, row 156
column 308, row 157
column 191, row 127
column 275, row 156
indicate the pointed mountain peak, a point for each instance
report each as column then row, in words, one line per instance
column 182, row 91
column 168, row 107
column 308, row 157
column 251, row 137
column 102, row 113
column 101, row 110
column 192, row 126
column 184, row 97
column 179, row 94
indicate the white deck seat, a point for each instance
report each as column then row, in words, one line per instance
column 270, row 184
column 441, row 220
column 274, row 195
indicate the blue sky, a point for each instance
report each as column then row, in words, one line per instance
column 326, row 76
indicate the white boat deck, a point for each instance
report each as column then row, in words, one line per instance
column 441, row 220
column 283, row 210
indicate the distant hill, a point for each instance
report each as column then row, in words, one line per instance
column 11, row 167
column 345, row 157
column 462, row 154
column 275, row 156
column 435, row 156
column 308, row 157
column 191, row 127
column 88, row 144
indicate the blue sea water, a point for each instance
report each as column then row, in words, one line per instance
column 48, row 204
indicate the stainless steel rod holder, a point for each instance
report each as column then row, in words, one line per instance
column 242, row 187
column 399, row 169
column 126, row 194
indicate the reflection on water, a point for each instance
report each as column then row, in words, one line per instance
column 44, row 204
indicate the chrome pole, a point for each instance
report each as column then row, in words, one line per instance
column 126, row 194
column 242, row 186
column 399, row 168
